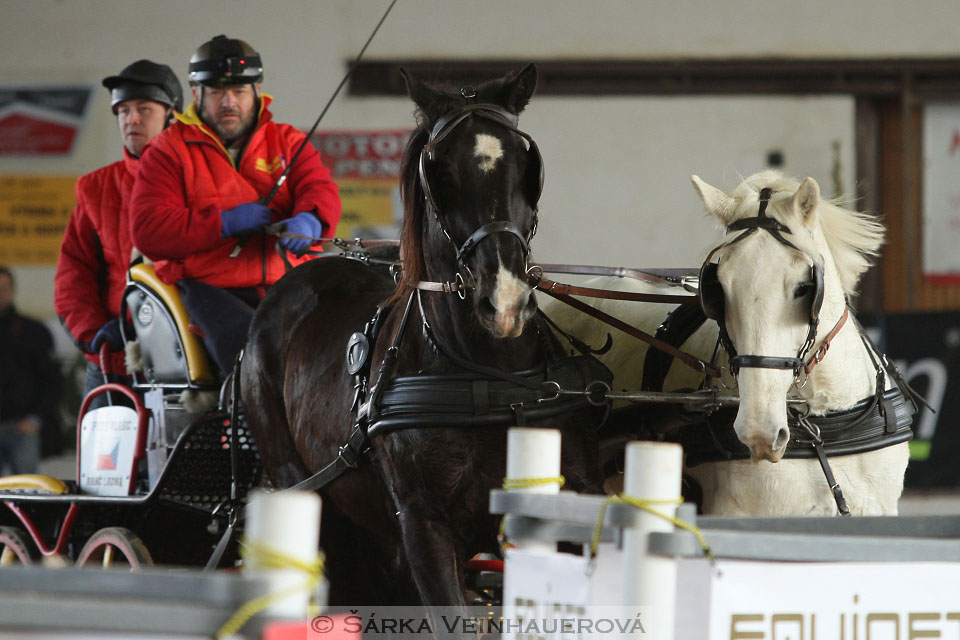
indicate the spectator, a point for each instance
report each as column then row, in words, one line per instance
column 30, row 383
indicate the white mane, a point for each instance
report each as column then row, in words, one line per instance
column 852, row 237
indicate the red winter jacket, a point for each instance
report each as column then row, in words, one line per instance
column 95, row 255
column 187, row 178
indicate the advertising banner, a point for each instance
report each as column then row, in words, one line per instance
column 825, row 601
column 366, row 166
column 34, row 211
column 41, row 121
column 926, row 349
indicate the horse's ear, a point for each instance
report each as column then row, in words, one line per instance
column 806, row 200
column 421, row 93
column 519, row 88
column 717, row 202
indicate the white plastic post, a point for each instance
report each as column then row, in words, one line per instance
column 652, row 472
column 287, row 522
column 534, row 453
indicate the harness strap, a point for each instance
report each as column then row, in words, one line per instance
column 349, row 454
column 831, row 479
column 346, row 459
column 664, row 276
column 490, row 372
column 548, row 286
column 825, row 345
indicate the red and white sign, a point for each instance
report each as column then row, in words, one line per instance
column 41, row 121
column 362, row 154
column 366, row 167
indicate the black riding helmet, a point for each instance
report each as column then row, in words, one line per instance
column 225, row 61
column 146, row 80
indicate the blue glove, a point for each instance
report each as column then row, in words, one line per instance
column 243, row 219
column 302, row 224
column 109, row 333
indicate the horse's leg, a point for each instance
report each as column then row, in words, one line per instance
column 362, row 569
column 435, row 562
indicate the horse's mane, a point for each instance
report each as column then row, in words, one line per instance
column 853, row 237
column 411, row 230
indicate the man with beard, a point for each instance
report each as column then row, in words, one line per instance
column 198, row 207
column 96, row 249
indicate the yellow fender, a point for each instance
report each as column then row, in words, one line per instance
column 34, row 483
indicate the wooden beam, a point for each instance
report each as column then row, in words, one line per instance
column 860, row 77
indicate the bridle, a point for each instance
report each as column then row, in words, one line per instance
column 464, row 279
column 712, row 298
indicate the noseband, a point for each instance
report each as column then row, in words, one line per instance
column 441, row 130
column 712, row 296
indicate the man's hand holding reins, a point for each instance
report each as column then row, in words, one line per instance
column 304, row 229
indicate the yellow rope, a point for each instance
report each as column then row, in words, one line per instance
column 522, row 483
column 645, row 505
column 266, row 558
column 526, row 483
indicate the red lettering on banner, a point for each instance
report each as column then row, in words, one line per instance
column 26, row 135
column 362, row 154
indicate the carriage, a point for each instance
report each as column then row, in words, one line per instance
column 163, row 464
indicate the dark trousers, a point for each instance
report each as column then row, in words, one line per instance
column 94, row 378
column 223, row 315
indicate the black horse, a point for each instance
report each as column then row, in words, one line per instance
column 465, row 359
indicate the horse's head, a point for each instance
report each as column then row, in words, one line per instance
column 471, row 182
column 774, row 276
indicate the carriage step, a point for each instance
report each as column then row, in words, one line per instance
column 33, row 483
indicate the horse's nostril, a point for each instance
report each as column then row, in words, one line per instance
column 783, row 436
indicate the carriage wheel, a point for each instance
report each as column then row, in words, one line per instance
column 115, row 548
column 14, row 548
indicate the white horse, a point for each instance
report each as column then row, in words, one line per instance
column 766, row 306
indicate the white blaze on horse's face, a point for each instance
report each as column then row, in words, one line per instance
column 489, row 150
column 511, row 298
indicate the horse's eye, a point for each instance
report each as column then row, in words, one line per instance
column 802, row 289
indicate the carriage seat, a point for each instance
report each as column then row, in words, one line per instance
column 169, row 352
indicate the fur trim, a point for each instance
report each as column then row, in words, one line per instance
column 198, row 401
column 132, row 357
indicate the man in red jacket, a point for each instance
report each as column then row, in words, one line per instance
column 198, row 207
column 96, row 249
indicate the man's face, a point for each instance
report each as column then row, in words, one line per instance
column 6, row 291
column 229, row 111
column 139, row 121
